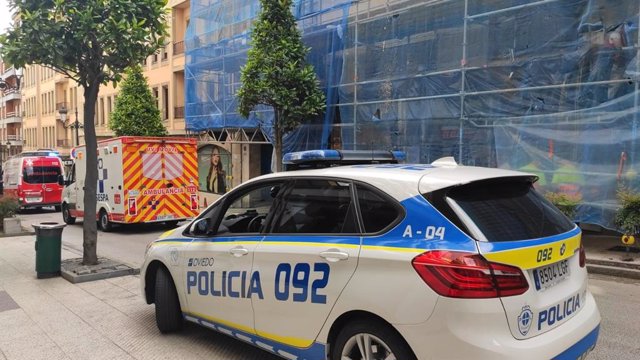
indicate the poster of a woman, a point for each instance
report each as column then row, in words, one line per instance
column 213, row 170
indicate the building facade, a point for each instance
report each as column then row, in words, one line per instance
column 11, row 140
column 547, row 86
column 45, row 93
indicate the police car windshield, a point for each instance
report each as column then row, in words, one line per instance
column 40, row 174
column 506, row 210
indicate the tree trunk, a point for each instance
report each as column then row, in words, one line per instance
column 278, row 135
column 90, row 226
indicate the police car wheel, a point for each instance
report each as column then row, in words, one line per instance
column 105, row 224
column 374, row 340
column 66, row 215
column 168, row 314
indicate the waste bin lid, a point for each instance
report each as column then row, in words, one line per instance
column 48, row 225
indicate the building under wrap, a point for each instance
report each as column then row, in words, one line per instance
column 547, row 86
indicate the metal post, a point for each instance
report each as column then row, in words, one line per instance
column 77, row 126
column 463, row 65
column 634, row 129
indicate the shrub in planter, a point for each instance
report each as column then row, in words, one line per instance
column 566, row 203
column 628, row 216
column 8, row 207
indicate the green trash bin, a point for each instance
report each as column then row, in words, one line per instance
column 48, row 249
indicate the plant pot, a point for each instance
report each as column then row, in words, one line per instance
column 12, row 226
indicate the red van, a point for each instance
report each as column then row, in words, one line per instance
column 33, row 180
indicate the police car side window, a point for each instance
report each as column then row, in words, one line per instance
column 377, row 211
column 248, row 212
column 317, row 206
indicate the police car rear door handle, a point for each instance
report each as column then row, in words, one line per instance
column 239, row 251
column 334, row 255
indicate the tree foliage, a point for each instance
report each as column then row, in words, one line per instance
column 135, row 112
column 276, row 73
column 91, row 42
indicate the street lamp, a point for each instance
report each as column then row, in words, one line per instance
column 74, row 125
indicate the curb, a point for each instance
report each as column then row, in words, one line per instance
column 73, row 271
column 613, row 271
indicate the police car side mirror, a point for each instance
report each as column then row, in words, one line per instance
column 61, row 181
column 200, row 227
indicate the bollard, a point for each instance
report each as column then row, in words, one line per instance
column 48, row 249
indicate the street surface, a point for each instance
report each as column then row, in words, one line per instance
column 125, row 243
column 618, row 298
column 619, row 303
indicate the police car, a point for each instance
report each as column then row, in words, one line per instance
column 380, row 260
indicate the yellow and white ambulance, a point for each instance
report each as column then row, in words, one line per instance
column 140, row 179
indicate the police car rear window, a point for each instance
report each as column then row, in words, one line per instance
column 505, row 210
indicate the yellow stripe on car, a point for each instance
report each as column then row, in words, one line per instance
column 536, row 256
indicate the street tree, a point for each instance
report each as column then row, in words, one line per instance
column 91, row 42
column 276, row 73
column 135, row 112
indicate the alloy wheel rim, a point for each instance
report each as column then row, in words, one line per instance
column 365, row 346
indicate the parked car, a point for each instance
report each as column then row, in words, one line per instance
column 380, row 261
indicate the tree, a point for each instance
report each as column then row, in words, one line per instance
column 136, row 113
column 91, row 42
column 276, row 73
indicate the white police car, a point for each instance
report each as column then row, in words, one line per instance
column 380, row 261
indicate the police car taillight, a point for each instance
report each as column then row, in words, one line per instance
column 465, row 275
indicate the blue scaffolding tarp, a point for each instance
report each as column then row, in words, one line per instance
column 546, row 86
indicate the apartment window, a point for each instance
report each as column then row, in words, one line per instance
column 155, row 58
column 102, row 111
column 156, row 96
column 165, row 102
column 165, row 53
column 108, row 109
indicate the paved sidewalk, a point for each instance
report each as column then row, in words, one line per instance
column 106, row 319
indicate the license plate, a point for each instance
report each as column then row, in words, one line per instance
column 33, row 199
column 547, row 276
column 165, row 217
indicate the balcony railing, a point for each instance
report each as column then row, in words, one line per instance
column 178, row 112
column 9, row 73
column 11, row 94
column 178, row 48
column 63, row 143
column 15, row 140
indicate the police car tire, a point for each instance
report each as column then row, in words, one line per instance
column 103, row 221
column 377, row 328
column 168, row 314
column 66, row 215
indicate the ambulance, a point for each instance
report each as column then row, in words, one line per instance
column 32, row 178
column 140, row 180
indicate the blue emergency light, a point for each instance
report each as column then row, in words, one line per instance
column 313, row 159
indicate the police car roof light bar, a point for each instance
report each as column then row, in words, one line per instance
column 313, row 159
